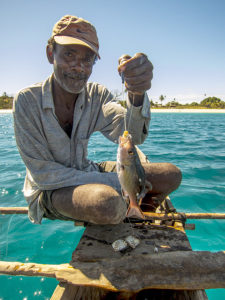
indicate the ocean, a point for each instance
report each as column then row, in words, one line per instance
column 195, row 142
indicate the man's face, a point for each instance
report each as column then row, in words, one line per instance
column 72, row 66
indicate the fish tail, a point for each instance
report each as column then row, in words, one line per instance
column 135, row 212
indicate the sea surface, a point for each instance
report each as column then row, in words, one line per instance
column 194, row 142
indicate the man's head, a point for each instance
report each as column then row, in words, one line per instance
column 73, row 49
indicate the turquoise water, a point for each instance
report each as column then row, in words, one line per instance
column 194, row 142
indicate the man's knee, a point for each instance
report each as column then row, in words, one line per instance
column 110, row 205
column 176, row 175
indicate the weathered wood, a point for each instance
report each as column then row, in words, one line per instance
column 95, row 245
column 205, row 215
column 65, row 291
column 13, row 210
column 149, row 215
column 178, row 270
column 182, row 216
column 96, row 242
column 188, row 226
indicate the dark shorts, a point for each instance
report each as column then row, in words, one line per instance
column 50, row 212
column 45, row 199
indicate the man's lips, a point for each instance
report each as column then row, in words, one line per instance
column 75, row 76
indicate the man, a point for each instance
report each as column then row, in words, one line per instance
column 53, row 121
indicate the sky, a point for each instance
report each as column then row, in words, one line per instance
column 184, row 39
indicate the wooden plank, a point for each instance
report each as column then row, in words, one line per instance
column 65, row 291
column 96, row 242
column 178, row 270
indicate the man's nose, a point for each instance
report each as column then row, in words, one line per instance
column 78, row 65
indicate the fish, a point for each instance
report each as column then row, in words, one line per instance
column 131, row 175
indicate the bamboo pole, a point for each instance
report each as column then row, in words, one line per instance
column 148, row 215
column 181, row 216
column 13, row 210
column 178, row 270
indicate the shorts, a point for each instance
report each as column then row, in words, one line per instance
column 45, row 202
column 45, row 199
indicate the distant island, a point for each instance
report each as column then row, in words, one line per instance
column 207, row 103
column 6, row 102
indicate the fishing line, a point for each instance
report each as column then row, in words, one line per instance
column 7, row 236
column 123, row 89
column 132, row 105
column 126, row 128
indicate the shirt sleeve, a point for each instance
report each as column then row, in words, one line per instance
column 113, row 117
column 44, row 171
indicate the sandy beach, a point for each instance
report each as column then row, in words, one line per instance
column 5, row 111
column 176, row 110
column 162, row 110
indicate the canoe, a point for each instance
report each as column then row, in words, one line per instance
column 139, row 273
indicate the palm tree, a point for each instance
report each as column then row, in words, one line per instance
column 161, row 98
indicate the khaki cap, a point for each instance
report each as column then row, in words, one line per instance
column 70, row 30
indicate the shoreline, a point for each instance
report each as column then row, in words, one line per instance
column 187, row 110
column 164, row 110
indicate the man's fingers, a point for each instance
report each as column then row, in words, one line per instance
column 122, row 62
column 136, row 61
column 137, row 71
column 138, row 88
column 142, row 71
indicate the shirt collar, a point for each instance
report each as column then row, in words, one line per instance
column 47, row 98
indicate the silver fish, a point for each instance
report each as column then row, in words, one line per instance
column 131, row 175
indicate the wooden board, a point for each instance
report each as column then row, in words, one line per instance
column 95, row 248
column 96, row 242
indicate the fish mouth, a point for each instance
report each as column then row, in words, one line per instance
column 124, row 139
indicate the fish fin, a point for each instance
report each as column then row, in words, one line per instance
column 125, row 197
column 147, row 188
column 135, row 212
column 140, row 201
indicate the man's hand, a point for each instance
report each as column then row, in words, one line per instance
column 137, row 72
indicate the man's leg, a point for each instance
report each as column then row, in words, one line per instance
column 95, row 203
column 101, row 204
column 165, row 178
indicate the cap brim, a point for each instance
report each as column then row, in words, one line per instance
column 69, row 40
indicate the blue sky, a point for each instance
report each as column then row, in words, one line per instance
column 184, row 39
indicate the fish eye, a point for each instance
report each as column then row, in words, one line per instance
column 130, row 152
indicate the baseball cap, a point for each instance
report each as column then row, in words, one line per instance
column 72, row 30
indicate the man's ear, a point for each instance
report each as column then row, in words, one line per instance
column 49, row 52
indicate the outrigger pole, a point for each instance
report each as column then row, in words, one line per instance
column 170, row 270
column 148, row 215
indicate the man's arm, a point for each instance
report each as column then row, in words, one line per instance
column 112, row 116
column 46, row 172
